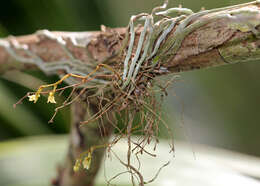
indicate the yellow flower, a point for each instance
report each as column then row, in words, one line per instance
column 77, row 166
column 34, row 97
column 87, row 161
column 51, row 98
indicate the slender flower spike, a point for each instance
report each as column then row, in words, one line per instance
column 34, row 97
column 51, row 98
column 87, row 161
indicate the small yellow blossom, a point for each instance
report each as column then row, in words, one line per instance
column 77, row 166
column 87, row 161
column 51, row 98
column 34, row 97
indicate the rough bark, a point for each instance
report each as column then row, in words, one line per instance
column 82, row 139
column 213, row 44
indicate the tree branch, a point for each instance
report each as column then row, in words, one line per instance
column 220, row 41
column 209, row 38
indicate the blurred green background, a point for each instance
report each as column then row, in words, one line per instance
column 218, row 106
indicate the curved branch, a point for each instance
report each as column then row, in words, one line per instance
column 215, row 40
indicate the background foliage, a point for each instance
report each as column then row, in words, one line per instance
column 218, row 106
